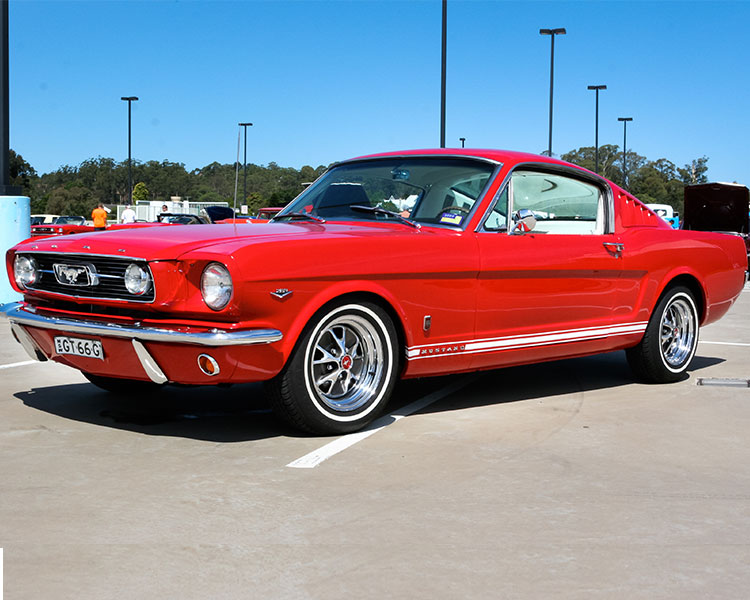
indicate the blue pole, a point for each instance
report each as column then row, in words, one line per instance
column 15, row 221
column 15, row 225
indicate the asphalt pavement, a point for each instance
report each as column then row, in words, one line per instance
column 560, row 480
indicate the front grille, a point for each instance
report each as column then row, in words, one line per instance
column 43, row 231
column 108, row 270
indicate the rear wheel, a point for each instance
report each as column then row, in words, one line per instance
column 670, row 341
column 341, row 372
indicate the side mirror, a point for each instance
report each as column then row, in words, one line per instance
column 523, row 221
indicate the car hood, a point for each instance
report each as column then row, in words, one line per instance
column 171, row 243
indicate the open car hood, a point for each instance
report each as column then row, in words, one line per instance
column 716, row 207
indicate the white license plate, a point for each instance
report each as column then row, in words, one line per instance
column 79, row 347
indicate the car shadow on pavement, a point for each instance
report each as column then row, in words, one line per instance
column 546, row 380
column 236, row 414
column 241, row 413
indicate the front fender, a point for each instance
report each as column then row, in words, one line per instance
column 338, row 290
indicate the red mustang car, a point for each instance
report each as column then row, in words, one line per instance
column 391, row 266
column 65, row 225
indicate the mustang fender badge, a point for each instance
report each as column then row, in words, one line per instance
column 281, row 293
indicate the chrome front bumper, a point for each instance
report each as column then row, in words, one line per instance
column 24, row 315
column 20, row 315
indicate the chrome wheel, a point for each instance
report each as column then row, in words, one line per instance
column 346, row 362
column 341, row 372
column 670, row 340
column 678, row 330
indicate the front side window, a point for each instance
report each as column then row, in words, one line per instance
column 435, row 190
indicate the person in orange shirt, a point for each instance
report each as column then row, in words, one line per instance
column 99, row 216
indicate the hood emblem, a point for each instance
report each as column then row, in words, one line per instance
column 80, row 275
column 281, row 293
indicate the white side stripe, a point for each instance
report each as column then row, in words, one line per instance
column 523, row 341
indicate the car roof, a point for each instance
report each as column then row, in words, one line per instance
column 499, row 156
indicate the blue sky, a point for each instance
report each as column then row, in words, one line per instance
column 324, row 81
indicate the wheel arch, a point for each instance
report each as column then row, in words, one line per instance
column 691, row 283
column 323, row 303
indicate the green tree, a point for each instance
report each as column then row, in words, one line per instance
column 653, row 182
column 610, row 160
column 22, row 173
column 695, row 171
column 140, row 192
column 72, row 199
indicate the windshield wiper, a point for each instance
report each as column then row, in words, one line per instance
column 379, row 210
column 300, row 215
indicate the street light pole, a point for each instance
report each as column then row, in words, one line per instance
column 462, row 141
column 443, row 72
column 624, row 147
column 244, row 164
column 129, row 100
column 596, row 127
column 552, row 33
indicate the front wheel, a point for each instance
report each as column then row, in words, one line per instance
column 670, row 341
column 341, row 373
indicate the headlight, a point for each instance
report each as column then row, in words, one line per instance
column 216, row 286
column 25, row 271
column 137, row 279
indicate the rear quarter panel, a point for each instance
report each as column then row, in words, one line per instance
column 655, row 257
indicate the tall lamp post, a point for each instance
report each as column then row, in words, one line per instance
column 6, row 189
column 463, row 141
column 596, row 126
column 129, row 100
column 442, row 73
column 552, row 33
column 624, row 147
column 244, row 164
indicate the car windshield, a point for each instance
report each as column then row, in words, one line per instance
column 436, row 191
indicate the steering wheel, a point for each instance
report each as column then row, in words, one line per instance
column 462, row 209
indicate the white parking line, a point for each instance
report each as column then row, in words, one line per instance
column 314, row 458
column 724, row 343
column 19, row 364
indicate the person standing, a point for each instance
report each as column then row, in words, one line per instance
column 99, row 216
column 128, row 215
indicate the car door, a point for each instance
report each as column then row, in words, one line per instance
column 553, row 291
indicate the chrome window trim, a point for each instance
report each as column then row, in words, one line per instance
column 604, row 187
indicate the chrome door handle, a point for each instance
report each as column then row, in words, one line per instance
column 614, row 249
